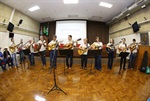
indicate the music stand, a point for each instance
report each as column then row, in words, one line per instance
column 65, row 52
column 55, row 87
column 26, row 52
column 123, row 54
column 92, row 53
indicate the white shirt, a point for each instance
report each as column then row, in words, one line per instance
column 70, row 42
column 135, row 50
column 98, row 44
column 111, row 45
column 85, row 46
column 53, row 42
column 42, row 47
column 122, row 46
column 31, row 47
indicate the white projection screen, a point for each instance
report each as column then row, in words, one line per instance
column 75, row 28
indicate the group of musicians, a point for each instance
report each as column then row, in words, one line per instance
column 53, row 46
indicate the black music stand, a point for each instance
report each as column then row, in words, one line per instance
column 65, row 52
column 92, row 53
column 55, row 87
column 26, row 52
column 123, row 54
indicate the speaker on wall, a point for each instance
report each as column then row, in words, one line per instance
column 10, row 27
column 135, row 27
column 20, row 22
column 11, row 35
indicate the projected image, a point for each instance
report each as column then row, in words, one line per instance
column 75, row 28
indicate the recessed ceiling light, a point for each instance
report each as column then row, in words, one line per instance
column 70, row 1
column 34, row 8
column 104, row 4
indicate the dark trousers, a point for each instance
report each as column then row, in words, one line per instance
column 53, row 58
column 3, row 64
column 43, row 57
column 8, row 61
column 22, row 57
column 31, row 58
column 123, row 61
column 98, row 62
column 69, row 64
column 110, row 59
column 132, row 60
column 84, row 60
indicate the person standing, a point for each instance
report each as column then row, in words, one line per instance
column 84, row 47
column 133, row 49
column 30, row 47
column 110, row 49
column 53, row 44
column 21, row 53
column 42, row 49
column 122, row 49
column 98, row 46
column 13, row 53
column 69, row 44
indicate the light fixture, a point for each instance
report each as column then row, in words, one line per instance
column 128, row 15
column 70, row 1
column 104, row 4
column 34, row 8
column 143, row 6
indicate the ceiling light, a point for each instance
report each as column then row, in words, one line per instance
column 128, row 14
column 143, row 6
column 34, row 8
column 70, row 1
column 104, row 4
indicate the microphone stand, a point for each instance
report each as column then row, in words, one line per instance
column 55, row 87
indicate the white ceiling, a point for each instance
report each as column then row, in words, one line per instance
column 56, row 9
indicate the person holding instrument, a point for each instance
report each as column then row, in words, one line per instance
column 30, row 46
column 97, row 46
column 84, row 49
column 53, row 52
column 111, row 48
column 133, row 48
column 20, row 49
column 42, row 49
column 122, row 49
column 69, row 45
column 12, row 48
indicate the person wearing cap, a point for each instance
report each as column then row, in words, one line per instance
column 2, row 62
column 7, row 57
